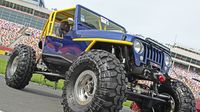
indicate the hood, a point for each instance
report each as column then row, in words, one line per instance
column 105, row 35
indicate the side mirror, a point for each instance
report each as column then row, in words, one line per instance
column 70, row 21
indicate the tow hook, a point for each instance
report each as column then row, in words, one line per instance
column 159, row 77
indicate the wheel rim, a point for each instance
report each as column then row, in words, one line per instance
column 171, row 103
column 14, row 66
column 85, row 87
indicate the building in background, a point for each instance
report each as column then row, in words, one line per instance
column 186, row 67
column 31, row 13
column 187, row 57
column 36, row 2
column 21, row 22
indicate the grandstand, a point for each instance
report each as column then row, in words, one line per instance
column 21, row 21
column 24, row 12
column 186, row 67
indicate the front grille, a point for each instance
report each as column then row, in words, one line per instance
column 154, row 55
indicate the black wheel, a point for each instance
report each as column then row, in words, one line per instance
column 95, row 82
column 20, row 67
column 182, row 99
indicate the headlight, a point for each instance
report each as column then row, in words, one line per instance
column 168, row 60
column 138, row 47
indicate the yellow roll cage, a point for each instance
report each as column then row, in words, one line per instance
column 56, row 16
column 61, row 15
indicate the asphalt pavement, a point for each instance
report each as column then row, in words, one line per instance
column 4, row 57
column 34, row 98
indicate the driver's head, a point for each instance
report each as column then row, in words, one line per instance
column 64, row 26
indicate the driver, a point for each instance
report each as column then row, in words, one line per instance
column 64, row 28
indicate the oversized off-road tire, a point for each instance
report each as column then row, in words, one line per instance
column 182, row 99
column 20, row 67
column 95, row 82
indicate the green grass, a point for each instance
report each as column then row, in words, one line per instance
column 127, row 103
column 38, row 78
column 3, row 64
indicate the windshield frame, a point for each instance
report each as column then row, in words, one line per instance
column 78, row 16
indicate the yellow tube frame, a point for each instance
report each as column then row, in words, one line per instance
column 94, row 40
column 49, row 25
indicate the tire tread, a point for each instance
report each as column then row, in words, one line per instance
column 112, row 82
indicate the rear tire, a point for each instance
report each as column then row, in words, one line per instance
column 108, row 84
column 20, row 67
column 181, row 96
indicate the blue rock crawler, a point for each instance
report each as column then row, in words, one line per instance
column 102, row 65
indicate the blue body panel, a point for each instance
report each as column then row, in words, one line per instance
column 63, row 47
column 66, row 46
column 70, row 49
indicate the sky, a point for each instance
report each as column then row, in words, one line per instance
column 167, row 21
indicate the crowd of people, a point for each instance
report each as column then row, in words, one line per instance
column 190, row 77
column 12, row 32
column 9, row 32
